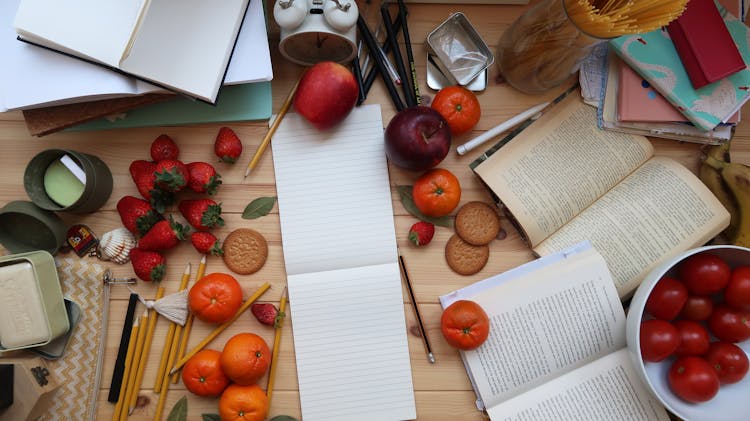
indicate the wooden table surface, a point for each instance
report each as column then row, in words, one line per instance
column 442, row 390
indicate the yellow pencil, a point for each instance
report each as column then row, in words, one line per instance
column 211, row 336
column 276, row 343
column 152, row 317
column 164, row 362
column 271, row 130
column 189, row 321
column 126, row 374
column 127, row 393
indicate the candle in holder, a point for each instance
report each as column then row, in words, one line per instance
column 64, row 181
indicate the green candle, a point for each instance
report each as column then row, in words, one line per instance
column 61, row 185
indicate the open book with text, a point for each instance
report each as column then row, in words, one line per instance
column 183, row 45
column 562, row 180
column 556, row 347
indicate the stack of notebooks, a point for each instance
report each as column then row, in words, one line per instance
column 145, row 62
column 652, row 89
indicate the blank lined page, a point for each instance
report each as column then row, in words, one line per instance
column 351, row 346
column 334, row 194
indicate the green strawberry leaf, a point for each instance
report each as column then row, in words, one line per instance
column 283, row 418
column 259, row 207
column 179, row 410
column 408, row 201
column 211, row 417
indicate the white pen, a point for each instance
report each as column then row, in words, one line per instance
column 489, row 134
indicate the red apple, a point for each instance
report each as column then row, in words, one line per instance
column 326, row 94
column 417, row 138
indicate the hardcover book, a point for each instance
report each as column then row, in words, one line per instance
column 654, row 57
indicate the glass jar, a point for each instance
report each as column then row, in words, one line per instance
column 542, row 48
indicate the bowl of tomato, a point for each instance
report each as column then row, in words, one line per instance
column 688, row 333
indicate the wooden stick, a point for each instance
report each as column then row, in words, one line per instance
column 211, row 336
column 164, row 362
column 271, row 130
column 189, row 322
column 126, row 374
column 127, row 393
column 275, row 352
column 152, row 317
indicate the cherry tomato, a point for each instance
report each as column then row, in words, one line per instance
column 729, row 361
column 737, row 292
column 697, row 308
column 693, row 379
column 694, row 339
column 728, row 324
column 659, row 339
column 704, row 273
column 667, row 298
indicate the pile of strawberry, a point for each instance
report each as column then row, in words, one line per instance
column 158, row 182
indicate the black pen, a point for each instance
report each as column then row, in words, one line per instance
column 373, row 72
column 397, row 57
column 372, row 46
column 409, row 53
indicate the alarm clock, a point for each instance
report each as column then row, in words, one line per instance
column 317, row 30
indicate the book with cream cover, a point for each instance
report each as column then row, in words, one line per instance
column 563, row 180
column 556, row 347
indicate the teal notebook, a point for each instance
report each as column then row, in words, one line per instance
column 654, row 57
column 245, row 102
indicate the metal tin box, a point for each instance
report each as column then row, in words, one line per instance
column 461, row 53
column 32, row 308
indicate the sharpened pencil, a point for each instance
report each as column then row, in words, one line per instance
column 405, row 275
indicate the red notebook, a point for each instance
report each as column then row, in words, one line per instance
column 704, row 44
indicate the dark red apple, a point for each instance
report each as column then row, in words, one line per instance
column 417, row 138
column 326, row 94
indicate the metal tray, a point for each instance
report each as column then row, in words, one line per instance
column 461, row 54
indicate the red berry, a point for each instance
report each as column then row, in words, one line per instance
column 163, row 147
column 227, row 146
column 421, row 233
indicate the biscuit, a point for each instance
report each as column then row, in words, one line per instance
column 477, row 223
column 245, row 251
column 465, row 258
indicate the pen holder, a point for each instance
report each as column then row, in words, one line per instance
column 542, row 48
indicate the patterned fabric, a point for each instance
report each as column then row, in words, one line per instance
column 78, row 370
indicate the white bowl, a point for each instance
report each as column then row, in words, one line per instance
column 732, row 403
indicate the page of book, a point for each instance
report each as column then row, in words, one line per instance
column 559, row 166
column 545, row 323
column 350, row 343
column 341, row 260
column 94, row 29
column 658, row 211
column 185, row 44
column 606, row 389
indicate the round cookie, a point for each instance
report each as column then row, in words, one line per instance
column 477, row 223
column 465, row 258
column 245, row 251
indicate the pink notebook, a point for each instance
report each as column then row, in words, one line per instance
column 638, row 101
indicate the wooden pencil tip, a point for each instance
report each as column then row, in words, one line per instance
column 203, row 260
column 187, row 269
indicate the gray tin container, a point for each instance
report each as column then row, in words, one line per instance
column 461, row 54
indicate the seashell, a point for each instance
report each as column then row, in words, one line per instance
column 115, row 245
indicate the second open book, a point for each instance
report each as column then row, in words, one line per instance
column 562, row 181
column 556, row 348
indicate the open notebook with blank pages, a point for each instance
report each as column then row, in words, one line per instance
column 341, row 260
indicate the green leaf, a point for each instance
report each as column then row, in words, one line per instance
column 179, row 410
column 408, row 201
column 211, row 417
column 283, row 418
column 259, row 207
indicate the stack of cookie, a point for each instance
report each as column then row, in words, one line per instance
column 468, row 250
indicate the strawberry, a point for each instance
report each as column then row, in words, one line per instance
column 148, row 265
column 266, row 313
column 171, row 175
column 421, row 233
column 203, row 178
column 227, row 146
column 143, row 173
column 141, row 166
column 206, row 243
column 202, row 214
column 163, row 235
column 137, row 215
column 163, row 147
